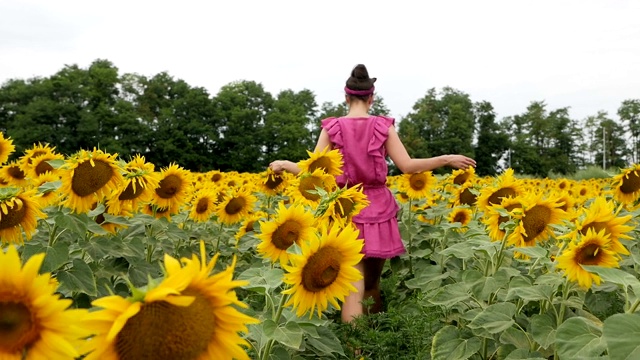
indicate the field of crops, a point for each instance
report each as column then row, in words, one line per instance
column 106, row 258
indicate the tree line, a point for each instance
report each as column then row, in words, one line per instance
column 244, row 127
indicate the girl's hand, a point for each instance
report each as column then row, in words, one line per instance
column 278, row 166
column 460, row 162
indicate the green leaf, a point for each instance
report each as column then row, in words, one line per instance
column 531, row 293
column 448, row 345
column 515, row 337
column 262, row 279
column 325, row 343
column 79, row 278
column 533, row 251
column 73, row 223
column 524, row 354
column 621, row 333
column 579, row 338
column 450, row 295
column 495, row 318
column 289, row 335
column 543, row 329
column 616, row 276
column 55, row 257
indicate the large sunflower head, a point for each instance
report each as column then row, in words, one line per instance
column 89, row 177
column 463, row 176
column 464, row 194
column 418, row 185
column 493, row 217
column 626, row 185
column 35, row 151
column 535, row 219
column 14, row 174
column 593, row 248
column 272, row 183
column 192, row 314
column 202, row 206
column 461, row 215
column 19, row 212
column 325, row 270
column 506, row 185
column 35, row 323
column 140, row 182
column 304, row 188
column 237, row 203
column 40, row 165
column 329, row 161
column 173, row 188
column 291, row 225
column 6, row 148
column 343, row 204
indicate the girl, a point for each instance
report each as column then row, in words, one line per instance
column 364, row 142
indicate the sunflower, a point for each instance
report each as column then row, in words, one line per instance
column 325, row 270
column 47, row 195
column 343, row 204
column 40, row 165
column 464, row 195
column 215, row 176
column 89, row 177
column 202, row 207
column 461, row 215
column 506, row 186
column 14, row 174
column 6, row 148
column 460, row 176
column 160, row 212
column 290, row 225
column 626, row 185
column 174, row 187
column 112, row 226
column 140, row 182
column 592, row 249
column 602, row 215
column 535, row 220
column 192, row 314
column 248, row 224
column 493, row 219
column 235, row 206
column 33, row 319
column 329, row 161
column 19, row 211
column 301, row 188
column 272, row 183
column 34, row 152
column 418, row 185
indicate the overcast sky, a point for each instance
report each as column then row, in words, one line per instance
column 579, row 54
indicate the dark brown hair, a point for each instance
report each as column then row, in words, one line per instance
column 360, row 80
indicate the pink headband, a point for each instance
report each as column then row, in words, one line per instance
column 359, row 92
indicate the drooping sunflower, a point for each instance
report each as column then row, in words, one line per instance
column 464, row 195
column 535, row 219
column 6, row 148
column 202, row 207
column 19, row 212
column 89, row 177
column 192, row 314
column 140, row 182
column 626, row 185
column 493, row 219
column 325, row 270
column 174, row 187
column 461, row 215
column 506, row 185
column 301, row 187
column 418, row 185
column 14, row 174
column 603, row 215
column 329, row 161
column 290, row 225
column 236, row 205
column 37, row 150
column 593, row 248
column 49, row 194
column 343, row 204
column 40, row 165
column 34, row 322
column 460, row 176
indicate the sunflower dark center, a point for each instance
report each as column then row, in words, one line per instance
column 129, row 193
column 13, row 217
column 467, row 197
column 343, row 207
column 535, row 221
column 321, row 269
column 583, row 191
column 589, row 254
column 460, row 217
column 35, row 155
column 18, row 328
column 497, row 196
column 418, row 181
column 162, row 331
column 630, row 183
column 88, row 179
column 202, row 206
column 273, row 181
column 235, row 205
column 323, row 163
column 42, row 167
column 15, row 172
column 169, row 186
column 216, row 177
column 286, row 234
column 310, row 183
column 461, row 179
column 596, row 226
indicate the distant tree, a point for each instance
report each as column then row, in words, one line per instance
column 492, row 141
column 611, row 144
column 629, row 113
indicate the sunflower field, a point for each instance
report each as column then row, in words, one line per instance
column 106, row 258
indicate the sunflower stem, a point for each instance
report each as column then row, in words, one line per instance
column 276, row 319
column 634, row 307
column 52, row 234
column 500, row 254
column 410, row 237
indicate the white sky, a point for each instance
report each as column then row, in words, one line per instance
column 580, row 54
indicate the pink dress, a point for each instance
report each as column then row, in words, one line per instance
column 361, row 143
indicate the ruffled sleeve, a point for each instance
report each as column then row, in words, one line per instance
column 332, row 125
column 380, row 135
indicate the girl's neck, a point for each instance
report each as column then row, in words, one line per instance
column 358, row 110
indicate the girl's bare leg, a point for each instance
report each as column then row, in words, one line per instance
column 372, row 273
column 352, row 306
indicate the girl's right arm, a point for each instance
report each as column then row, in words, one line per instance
column 398, row 154
column 279, row 166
